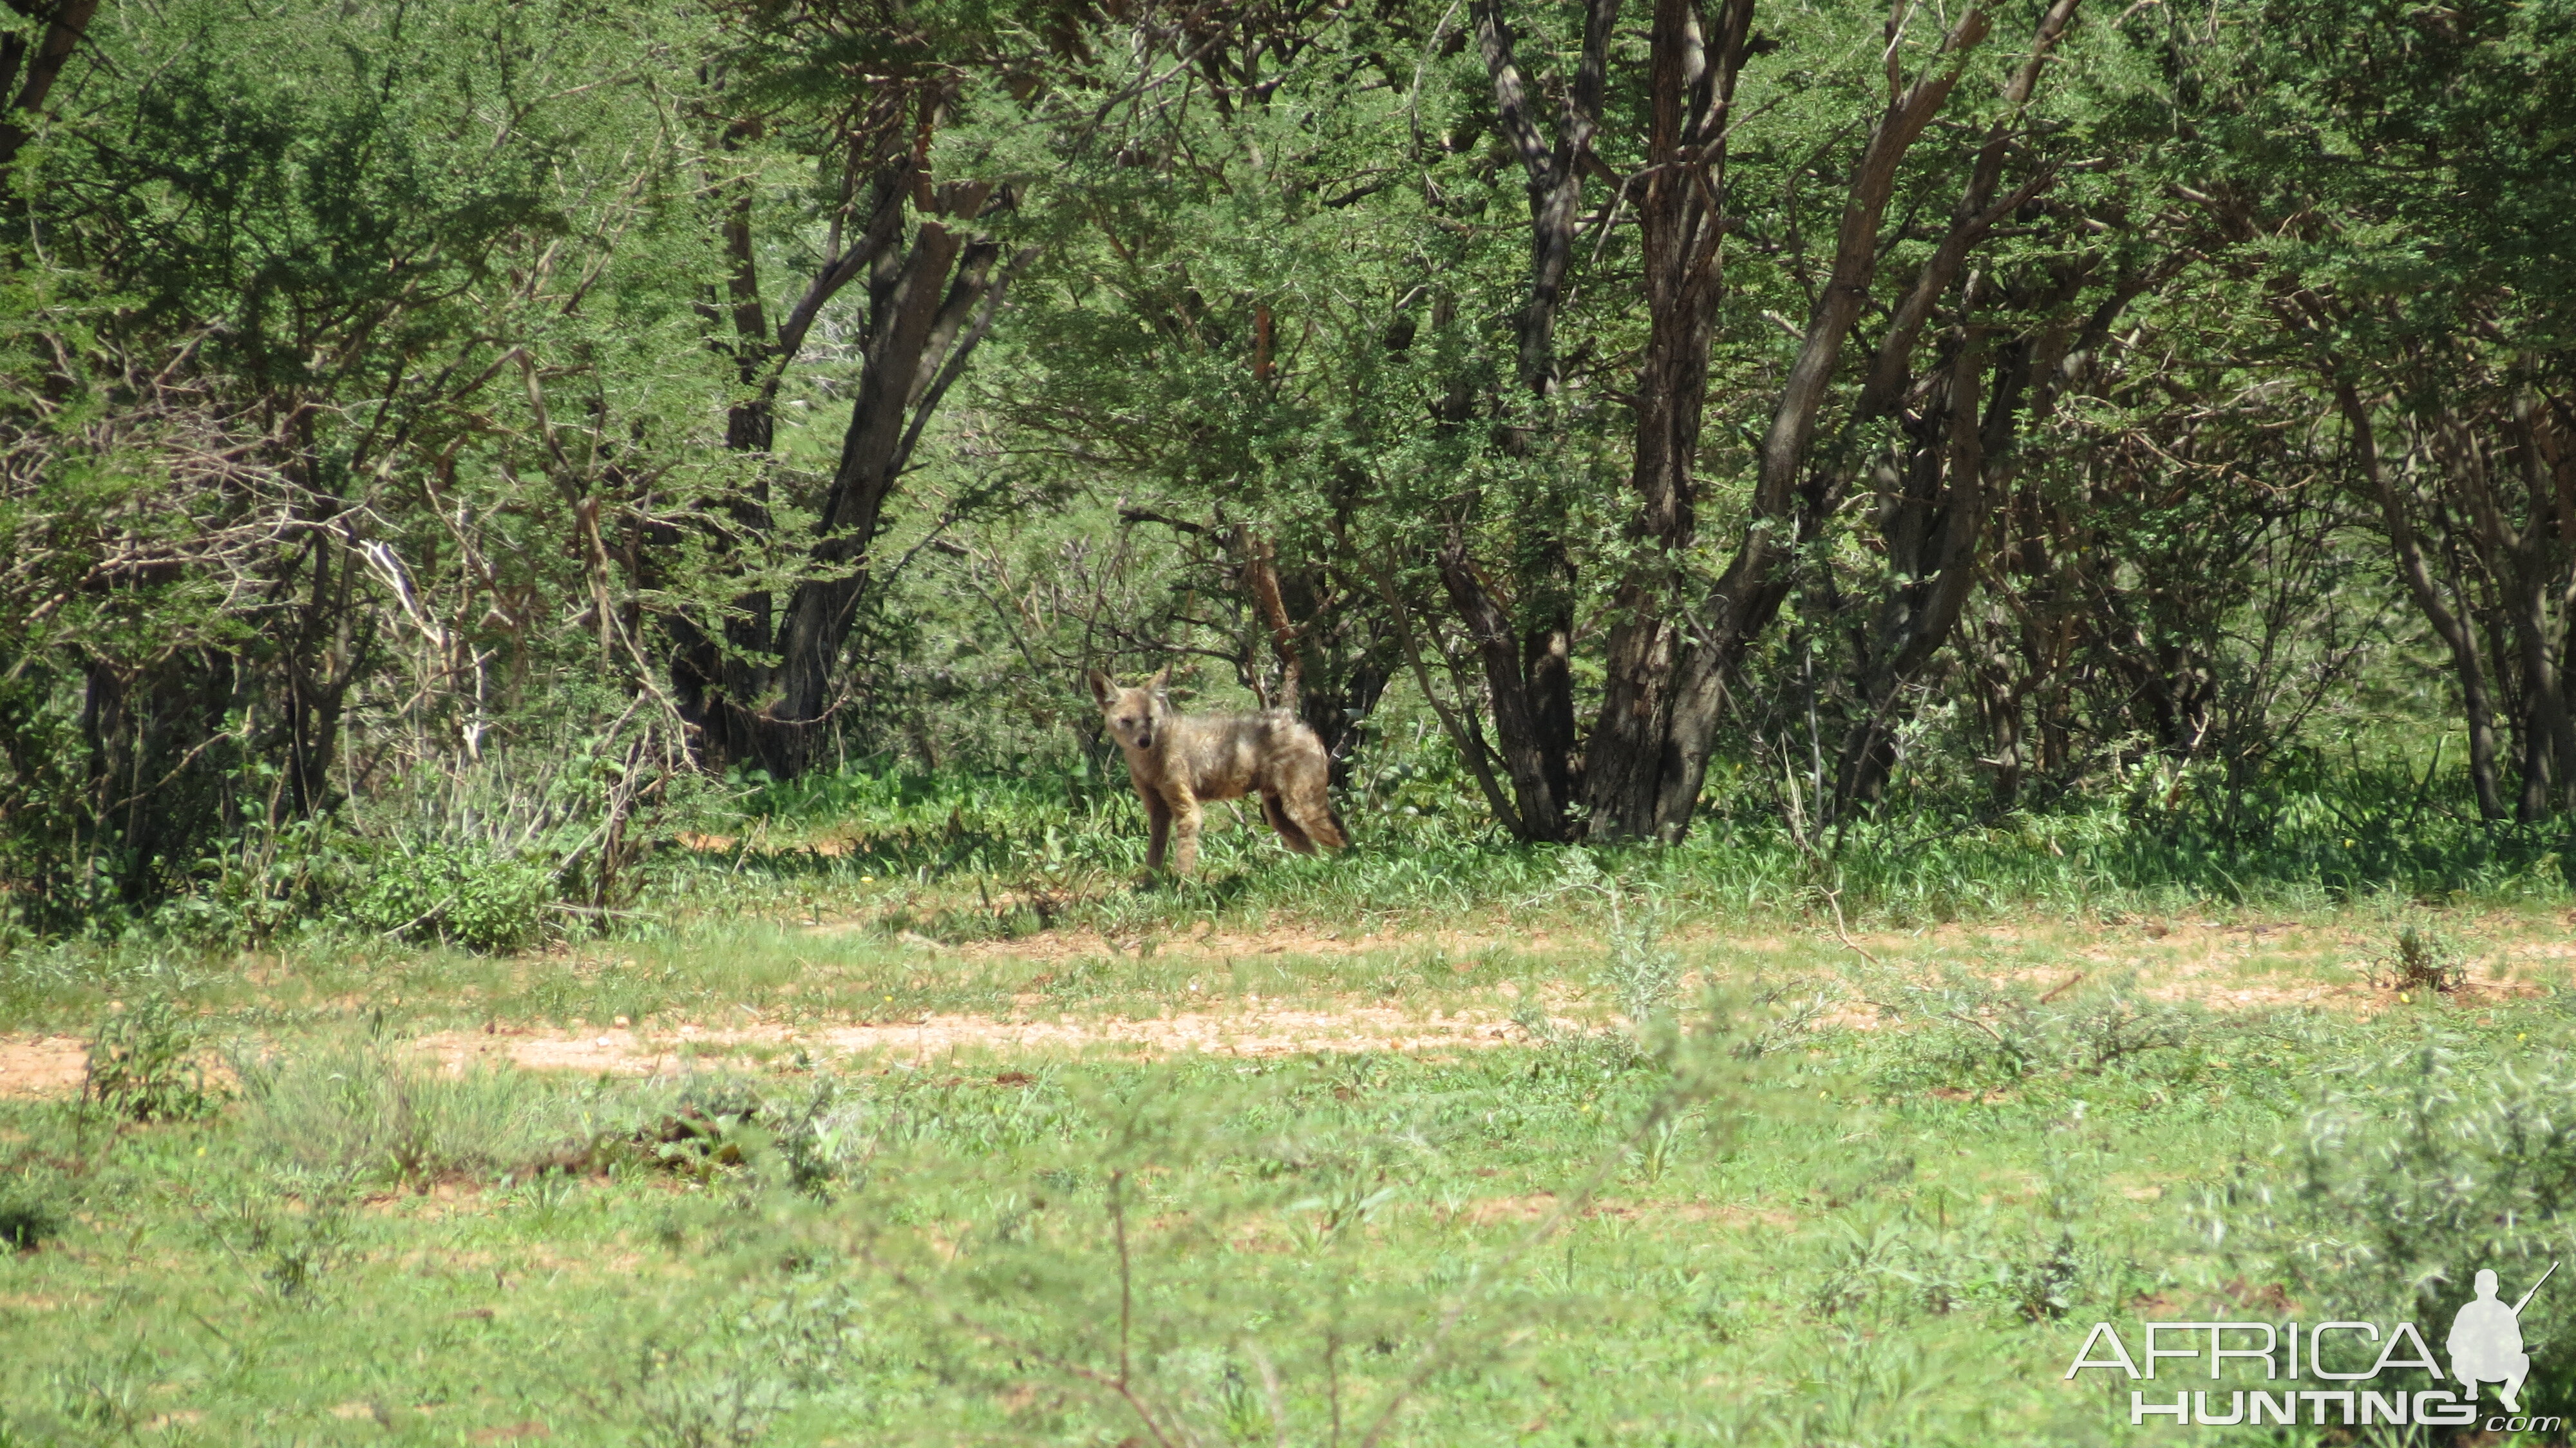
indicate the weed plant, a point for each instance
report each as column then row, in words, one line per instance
column 2422, row 959
column 147, row 1063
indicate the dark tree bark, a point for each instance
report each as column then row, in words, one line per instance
column 1525, row 659
column 1554, row 165
column 1682, row 226
column 2486, row 587
column 1932, row 531
column 2455, row 632
column 1527, row 681
column 1958, row 475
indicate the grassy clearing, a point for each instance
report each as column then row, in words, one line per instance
column 1938, row 1107
column 1568, row 942
column 1757, row 1232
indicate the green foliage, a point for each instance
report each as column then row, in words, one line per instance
column 2419, row 1168
column 473, row 898
column 254, row 888
column 367, row 440
column 147, row 1063
column 27, row 1219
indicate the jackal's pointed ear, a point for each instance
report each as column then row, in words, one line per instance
column 1100, row 687
column 1158, row 685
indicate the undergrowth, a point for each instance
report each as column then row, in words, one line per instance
column 957, row 855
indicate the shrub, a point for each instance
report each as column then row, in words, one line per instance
column 470, row 896
column 27, row 1220
column 145, row 1065
column 264, row 882
column 2412, row 1176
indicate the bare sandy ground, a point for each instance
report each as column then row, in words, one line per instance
column 54, row 1065
column 1249, row 1033
column 2228, row 966
column 42, row 1065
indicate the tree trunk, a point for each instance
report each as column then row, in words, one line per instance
column 1682, row 226
column 1665, row 693
column 1932, row 549
column 1525, row 663
column 930, row 303
column 1554, row 169
column 1522, row 734
column 2448, row 624
column 42, row 64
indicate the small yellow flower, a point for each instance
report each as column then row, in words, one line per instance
column 2404, row 999
column 867, row 879
column 2347, row 844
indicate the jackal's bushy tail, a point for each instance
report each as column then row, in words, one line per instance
column 1310, row 809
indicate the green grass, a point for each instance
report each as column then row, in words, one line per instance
column 1765, row 1231
column 959, row 855
column 1755, row 1233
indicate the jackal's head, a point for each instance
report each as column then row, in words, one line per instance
column 1135, row 716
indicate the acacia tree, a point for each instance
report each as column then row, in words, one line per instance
column 1527, row 662
column 861, row 94
column 2427, row 292
column 276, row 513
column 1669, row 675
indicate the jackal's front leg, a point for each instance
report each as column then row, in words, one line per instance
column 1158, row 831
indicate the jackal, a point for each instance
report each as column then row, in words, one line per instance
column 1177, row 761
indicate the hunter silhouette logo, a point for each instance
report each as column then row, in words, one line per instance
column 2486, row 1342
column 2485, row 1346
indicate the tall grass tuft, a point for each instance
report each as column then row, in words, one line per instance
column 375, row 1111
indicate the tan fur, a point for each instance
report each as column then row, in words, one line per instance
column 1177, row 760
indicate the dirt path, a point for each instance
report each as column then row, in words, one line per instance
column 2221, row 965
column 54, row 1065
column 1250, row 1034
